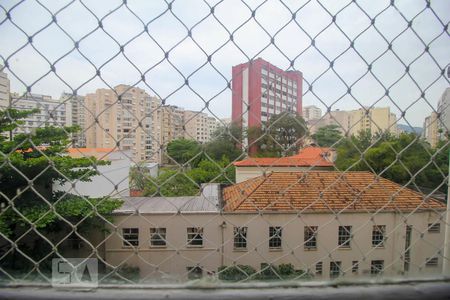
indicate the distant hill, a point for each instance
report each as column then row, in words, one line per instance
column 407, row 128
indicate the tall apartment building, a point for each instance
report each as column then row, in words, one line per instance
column 261, row 90
column 51, row 112
column 122, row 118
column 340, row 118
column 75, row 115
column 436, row 126
column 443, row 109
column 376, row 120
column 199, row 126
column 167, row 124
column 311, row 112
column 431, row 130
column 4, row 88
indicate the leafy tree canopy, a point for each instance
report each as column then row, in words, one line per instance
column 406, row 159
column 31, row 165
column 328, row 136
column 184, row 150
column 282, row 135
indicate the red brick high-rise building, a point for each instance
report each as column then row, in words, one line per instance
column 261, row 90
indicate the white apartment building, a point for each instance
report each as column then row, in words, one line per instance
column 375, row 120
column 4, row 88
column 120, row 118
column 199, row 126
column 51, row 112
column 311, row 112
column 443, row 110
column 436, row 126
column 75, row 115
column 280, row 218
column 339, row 118
column 431, row 129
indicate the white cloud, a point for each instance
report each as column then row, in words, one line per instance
column 167, row 31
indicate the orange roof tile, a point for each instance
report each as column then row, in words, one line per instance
column 323, row 191
column 309, row 156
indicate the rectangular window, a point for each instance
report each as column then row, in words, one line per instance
column 355, row 266
column 194, row 272
column 275, row 237
column 158, row 237
column 407, row 255
column 376, row 267
column 130, row 236
column 335, row 269
column 310, row 237
column 344, row 236
column 434, row 228
column 240, row 237
column 319, row 268
column 195, row 236
column 378, row 235
column 431, row 262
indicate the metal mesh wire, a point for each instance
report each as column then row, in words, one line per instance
column 124, row 65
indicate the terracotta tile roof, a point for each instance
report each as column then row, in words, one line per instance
column 309, row 156
column 84, row 150
column 316, row 191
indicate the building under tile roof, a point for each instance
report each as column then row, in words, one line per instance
column 323, row 191
column 309, row 156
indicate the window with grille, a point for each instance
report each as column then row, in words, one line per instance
column 195, row 236
column 130, row 236
column 355, row 266
column 310, row 237
column 434, row 228
column 344, row 236
column 240, row 238
column 319, row 268
column 432, row 262
column 194, row 272
column 378, row 235
column 158, row 237
column 275, row 237
column 335, row 269
column 376, row 267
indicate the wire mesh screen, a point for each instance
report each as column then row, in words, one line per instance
column 223, row 141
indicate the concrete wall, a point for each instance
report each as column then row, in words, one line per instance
column 115, row 174
column 170, row 262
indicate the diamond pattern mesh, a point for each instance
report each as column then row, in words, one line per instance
column 145, row 95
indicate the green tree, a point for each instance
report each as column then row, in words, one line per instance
column 184, row 150
column 171, row 184
column 328, row 136
column 399, row 159
column 226, row 142
column 29, row 166
column 280, row 136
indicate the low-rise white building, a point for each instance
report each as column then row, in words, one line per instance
column 328, row 224
column 308, row 158
column 113, row 179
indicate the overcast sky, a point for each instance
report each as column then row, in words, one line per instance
column 167, row 32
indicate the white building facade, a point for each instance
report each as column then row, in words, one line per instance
column 51, row 112
column 251, row 224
